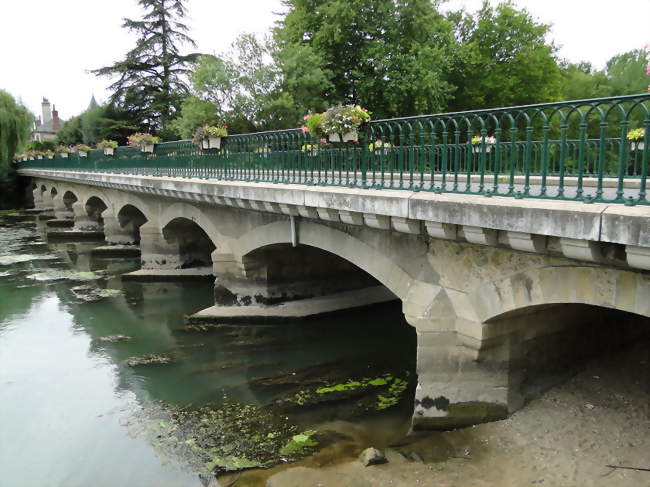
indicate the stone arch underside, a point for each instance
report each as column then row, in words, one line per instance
column 336, row 242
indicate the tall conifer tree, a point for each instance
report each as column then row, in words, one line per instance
column 151, row 79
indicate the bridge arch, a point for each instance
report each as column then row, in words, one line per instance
column 336, row 242
column 194, row 245
column 130, row 218
column 193, row 214
column 571, row 284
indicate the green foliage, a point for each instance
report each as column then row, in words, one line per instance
column 503, row 59
column 389, row 55
column 95, row 124
column 15, row 123
column 194, row 113
column 37, row 145
column 150, row 82
column 70, row 133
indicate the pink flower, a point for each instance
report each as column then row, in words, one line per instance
column 304, row 129
column 306, row 117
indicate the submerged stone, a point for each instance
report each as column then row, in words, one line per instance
column 115, row 338
column 151, row 359
column 89, row 293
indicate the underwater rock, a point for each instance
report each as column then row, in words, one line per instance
column 371, row 456
column 115, row 338
column 89, row 293
column 151, row 359
column 20, row 258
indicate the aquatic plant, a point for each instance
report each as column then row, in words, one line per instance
column 223, row 438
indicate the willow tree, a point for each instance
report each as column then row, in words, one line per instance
column 15, row 122
column 150, row 81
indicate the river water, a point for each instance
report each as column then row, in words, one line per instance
column 74, row 411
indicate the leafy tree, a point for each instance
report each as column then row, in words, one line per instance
column 391, row 56
column 255, row 86
column 97, row 123
column 150, row 82
column 70, row 132
column 504, row 59
column 15, row 124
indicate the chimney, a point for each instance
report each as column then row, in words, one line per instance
column 38, row 122
column 56, row 122
column 47, row 111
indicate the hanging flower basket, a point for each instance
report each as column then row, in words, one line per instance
column 635, row 137
column 209, row 136
column 340, row 123
column 63, row 155
column 477, row 143
column 146, row 142
column 637, row 146
column 108, row 146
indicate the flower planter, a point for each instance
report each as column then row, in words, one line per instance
column 82, row 153
column 109, row 151
column 147, row 148
column 50, row 157
column 214, row 142
column 334, row 137
column 634, row 145
column 476, row 148
column 63, row 155
column 352, row 136
column 205, row 143
column 39, row 157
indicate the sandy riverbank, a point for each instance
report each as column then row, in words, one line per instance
column 564, row 438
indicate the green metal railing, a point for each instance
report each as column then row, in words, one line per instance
column 575, row 150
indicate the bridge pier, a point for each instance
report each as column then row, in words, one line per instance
column 85, row 219
column 61, row 210
column 116, row 234
column 47, row 203
column 157, row 252
column 38, row 198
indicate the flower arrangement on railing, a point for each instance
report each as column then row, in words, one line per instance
column 82, row 150
column 39, row 154
column 145, row 142
column 477, row 140
column 635, row 137
column 62, row 151
column 262, row 151
column 49, row 154
column 379, row 146
column 108, row 146
column 209, row 136
column 310, row 149
column 339, row 123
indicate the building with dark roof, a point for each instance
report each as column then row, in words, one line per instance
column 48, row 124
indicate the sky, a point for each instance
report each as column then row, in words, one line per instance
column 48, row 47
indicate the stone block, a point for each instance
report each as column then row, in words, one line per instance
column 480, row 236
column 351, row 217
column 446, row 231
column 638, row 257
column 526, row 242
column 585, row 250
column 406, row 225
column 380, row 222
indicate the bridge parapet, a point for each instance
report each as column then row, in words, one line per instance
column 599, row 233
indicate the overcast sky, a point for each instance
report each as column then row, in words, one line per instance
column 49, row 46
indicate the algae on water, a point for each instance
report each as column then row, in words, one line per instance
column 225, row 438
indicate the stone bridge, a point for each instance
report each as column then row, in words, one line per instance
column 496, row 288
